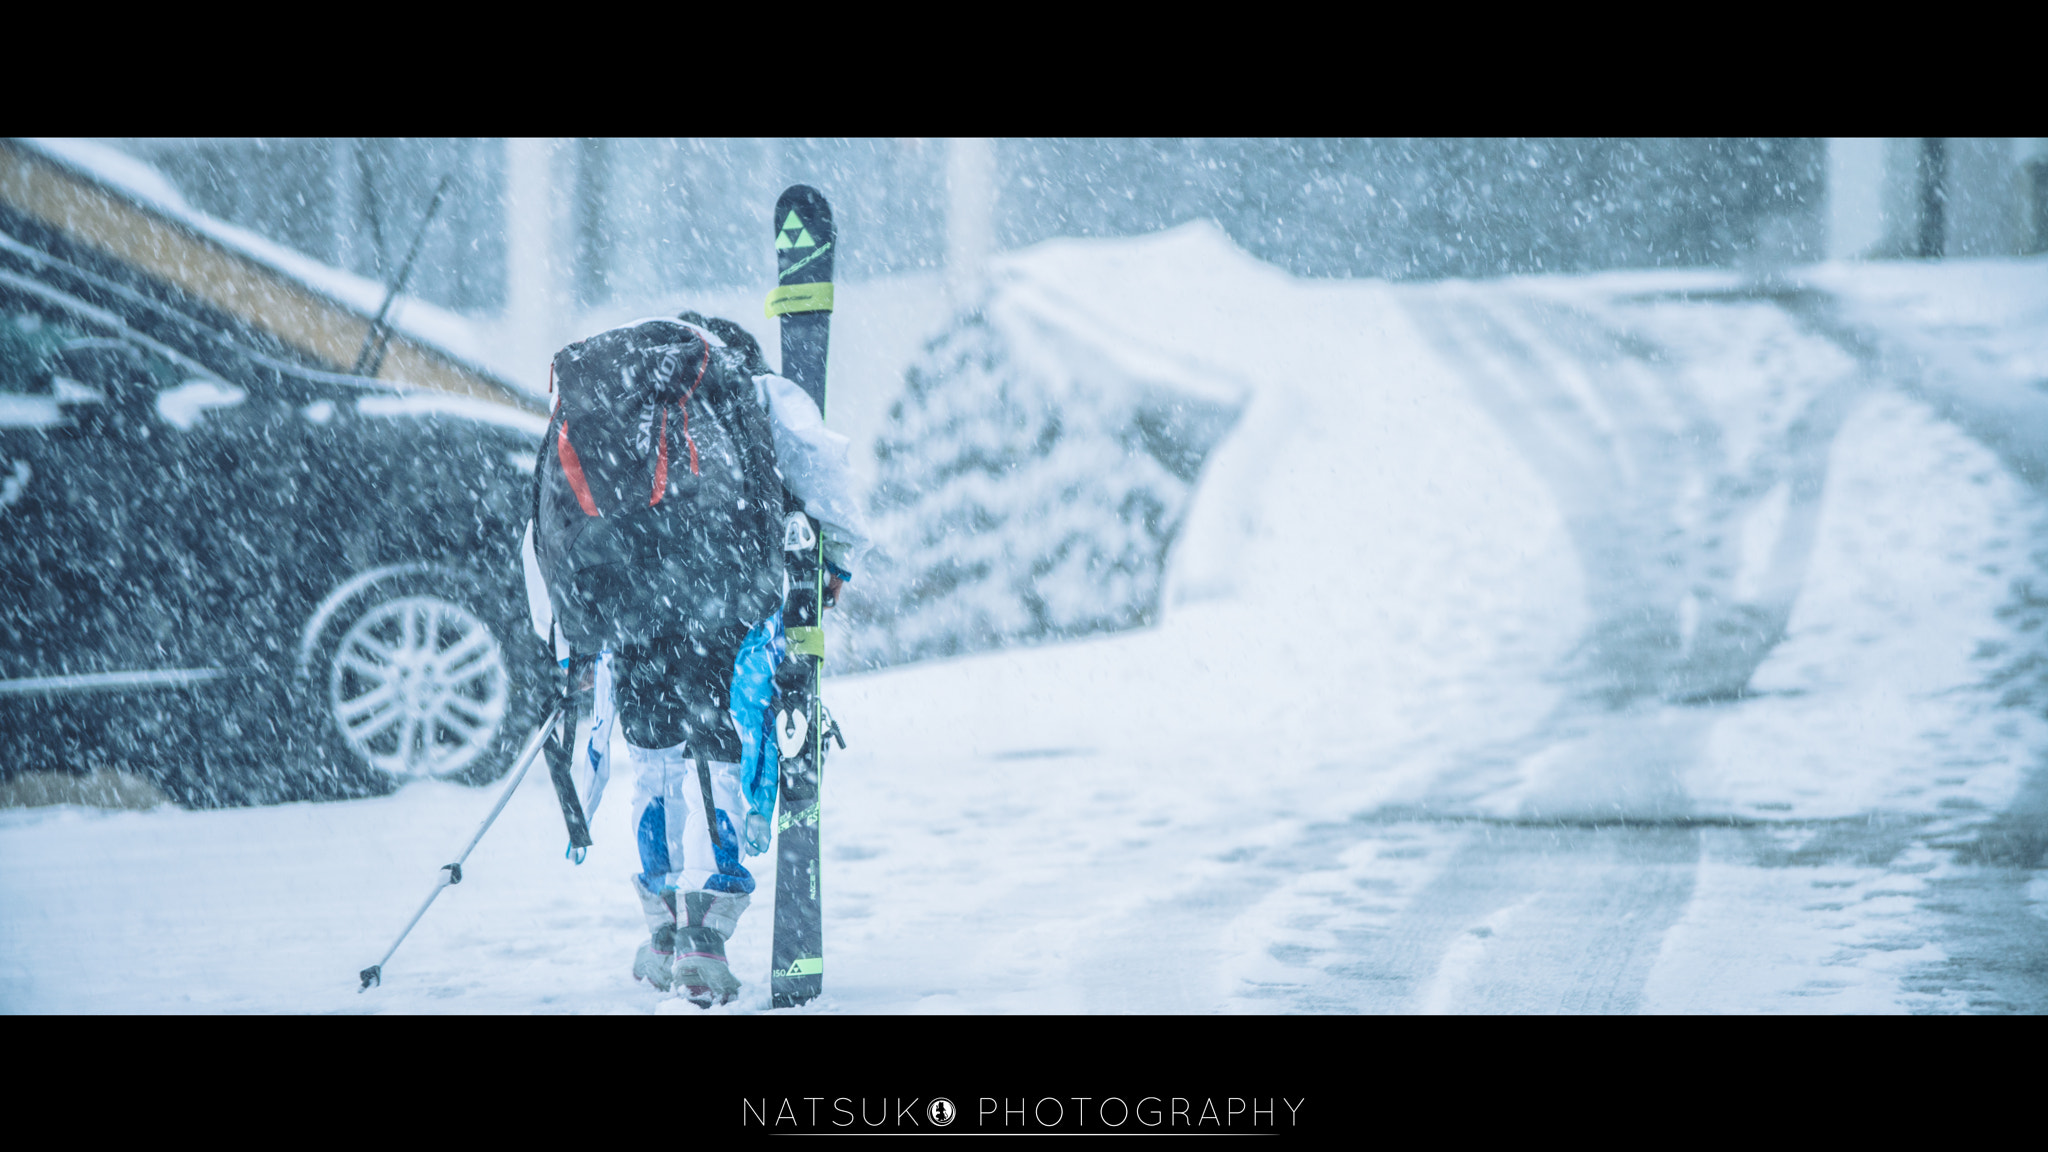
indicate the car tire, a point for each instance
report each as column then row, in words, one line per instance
column 426, row 674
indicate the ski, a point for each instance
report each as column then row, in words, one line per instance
column 802, row 298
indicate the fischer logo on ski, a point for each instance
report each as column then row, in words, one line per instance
column 794, row 234
column 793, row 268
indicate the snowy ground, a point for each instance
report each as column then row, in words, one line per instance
column 1446, row 711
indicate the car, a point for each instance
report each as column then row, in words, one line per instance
column 244, row 578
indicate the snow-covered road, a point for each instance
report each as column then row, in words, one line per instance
column 1635, row 642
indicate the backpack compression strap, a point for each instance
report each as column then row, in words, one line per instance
column 661, row 456
column 572, row 466
column 573, row 469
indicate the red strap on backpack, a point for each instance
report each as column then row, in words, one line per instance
column 661, row 454
column 661, row 461
column 573, row 469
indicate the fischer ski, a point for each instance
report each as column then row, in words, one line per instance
column 802, row 298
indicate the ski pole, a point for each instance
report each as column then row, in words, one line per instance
column 452, row 873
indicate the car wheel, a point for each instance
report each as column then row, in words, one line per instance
column 424, row 676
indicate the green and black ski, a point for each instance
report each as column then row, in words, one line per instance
column 802, row 297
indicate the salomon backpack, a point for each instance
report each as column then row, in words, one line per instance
column 658, row 506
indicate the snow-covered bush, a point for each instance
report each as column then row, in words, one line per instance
column 1030, row 486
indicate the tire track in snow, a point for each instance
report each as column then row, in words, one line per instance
column 1408, row 916
column 1996, row 937
column 1570, row 916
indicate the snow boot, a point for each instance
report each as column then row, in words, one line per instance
column 656, row 961
column 701, row 969
column 690, row 954
column 708, row 921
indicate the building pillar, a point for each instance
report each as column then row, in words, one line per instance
column 1856, row 224
column 537, row 304
column 970, row 216
column 1932, row 235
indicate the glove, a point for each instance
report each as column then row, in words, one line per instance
column 838, row 578
column 757, row 834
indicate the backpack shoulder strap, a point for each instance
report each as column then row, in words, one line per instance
column 540, row 458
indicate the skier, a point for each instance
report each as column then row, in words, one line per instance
column 685, row 617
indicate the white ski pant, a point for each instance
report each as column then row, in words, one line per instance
column 678, row 856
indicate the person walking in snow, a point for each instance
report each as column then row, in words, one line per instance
column 672, row 459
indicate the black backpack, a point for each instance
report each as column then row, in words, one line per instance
column 657, row 507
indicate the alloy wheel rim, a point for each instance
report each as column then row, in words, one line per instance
column 418, row 687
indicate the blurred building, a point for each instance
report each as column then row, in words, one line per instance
column 97, row 210
column 1927, row 198
column 540, row 238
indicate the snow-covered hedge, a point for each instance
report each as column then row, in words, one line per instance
column 1030, row 485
